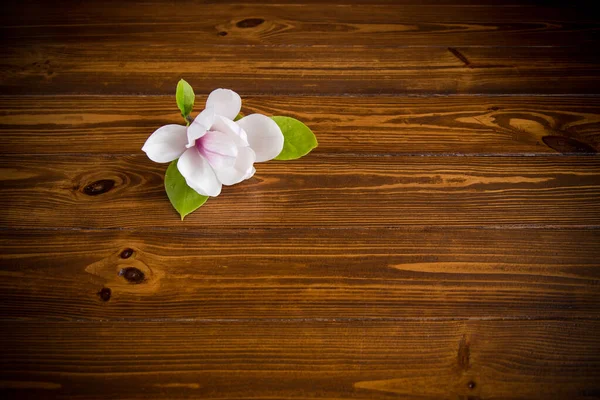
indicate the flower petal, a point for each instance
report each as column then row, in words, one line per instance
column 166, row 143
column 241, row 170
column 201, row 124
column 219, row 149
column 223, row 124
column 226, row 102
column 198, row 173
column 264, row 136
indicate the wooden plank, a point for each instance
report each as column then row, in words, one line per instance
column 303, row 25
column 380, row 125
column 317, row 191
column 119, row 67
column 156, row 12
column 333, row 360
column 299, row 273
column 525, row 5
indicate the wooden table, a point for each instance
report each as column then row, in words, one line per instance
column 442, row 242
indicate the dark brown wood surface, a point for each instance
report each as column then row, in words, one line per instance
column 336, row 23
column 303, row 359
column 104, row 191
column 432, row 272
column 442, row 242
column 457, row 125
column 117, row 67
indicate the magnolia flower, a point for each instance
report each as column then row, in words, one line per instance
column 214, row 150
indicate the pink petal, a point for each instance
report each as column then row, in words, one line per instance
column 219, row 149
column 166, row 143
column 198, row 173
column 226, row 125
column 264, row 136
column 226, row 102
column 201, row 124
column 241, row 170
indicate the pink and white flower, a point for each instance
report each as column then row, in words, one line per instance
column 214, row 150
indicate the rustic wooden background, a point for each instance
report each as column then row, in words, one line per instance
column 443, row 241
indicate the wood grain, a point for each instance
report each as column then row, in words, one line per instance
column 333, row 360
column 120, row 67
column 441, row 243
column 317, row 191
column 403, row 274
column 371, row 125
column 391, row 24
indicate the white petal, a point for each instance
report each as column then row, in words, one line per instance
column 198, row 173
column 226, row 102
column 243, row 168
column 264, row 136
column 223, row 124
column 166, row 143
column 219, row 149
column 201, row 124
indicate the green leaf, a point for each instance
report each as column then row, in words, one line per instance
column 184, row 198
column 299, row 140
column 185, row 98
column 239, row 116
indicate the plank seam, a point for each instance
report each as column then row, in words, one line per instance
column 330, row 155
column 406, row 227
column 309, row 95
column 295, row 320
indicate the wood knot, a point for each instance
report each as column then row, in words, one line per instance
column 99, row 187
column 222, row 33
column 127, row 253
column 567, row 145
column 471, row 385
column 132, row 275
column 104, row 294
column 250, row 22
